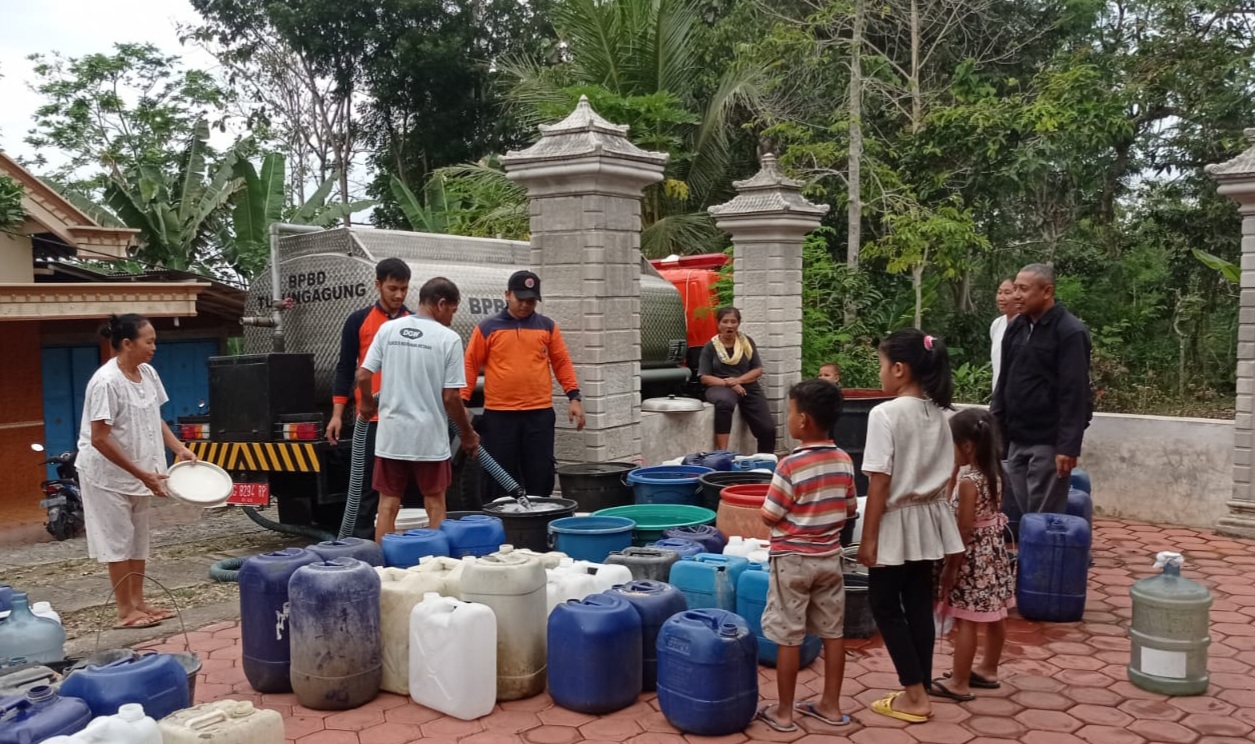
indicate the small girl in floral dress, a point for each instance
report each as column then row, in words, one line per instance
column 977, row 586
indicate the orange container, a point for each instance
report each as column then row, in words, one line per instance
column 740, row 511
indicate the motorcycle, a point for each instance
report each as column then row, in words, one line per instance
column 62, row 497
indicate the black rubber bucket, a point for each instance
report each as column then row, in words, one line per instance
column 712, row 484
column 850, row 431
column 597, row 485
column 529, row 528
column 858, row 610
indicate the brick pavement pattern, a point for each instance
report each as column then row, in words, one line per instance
column 1063, row 683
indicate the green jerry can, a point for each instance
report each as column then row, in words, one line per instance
column 1170, row 631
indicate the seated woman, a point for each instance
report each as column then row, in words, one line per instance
column 730, row 367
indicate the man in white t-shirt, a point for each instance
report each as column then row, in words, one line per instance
column 1006, row 306
column 423, row 376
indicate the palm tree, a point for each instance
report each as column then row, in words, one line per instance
column 637, row 61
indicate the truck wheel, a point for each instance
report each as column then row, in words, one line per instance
column 465, row 492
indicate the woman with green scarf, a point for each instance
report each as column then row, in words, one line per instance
column 730, row 367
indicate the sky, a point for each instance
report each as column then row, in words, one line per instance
column 75, row 28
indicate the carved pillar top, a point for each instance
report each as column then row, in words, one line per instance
column 584, row 152
column 767, row 203
column 1236, row 177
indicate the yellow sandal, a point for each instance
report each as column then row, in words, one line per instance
column 884, row 707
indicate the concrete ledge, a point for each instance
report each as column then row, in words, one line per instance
column 1160, row 469
column 666, row 436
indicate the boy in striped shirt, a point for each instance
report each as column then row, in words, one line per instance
column 811, row 496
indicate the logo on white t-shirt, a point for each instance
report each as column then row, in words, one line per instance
column 411, row 333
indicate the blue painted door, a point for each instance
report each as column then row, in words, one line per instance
column 66, row 370
column 184, row 370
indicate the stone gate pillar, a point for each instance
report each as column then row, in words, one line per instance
column 1236, row 179
column 768, row 221
column 584, row 179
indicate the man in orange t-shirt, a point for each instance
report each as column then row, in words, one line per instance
column 516, row 349
column 392, row 281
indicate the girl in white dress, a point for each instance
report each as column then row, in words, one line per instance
column 909, row 461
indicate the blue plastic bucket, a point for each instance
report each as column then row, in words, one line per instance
column 668, row 484
column 591, row 538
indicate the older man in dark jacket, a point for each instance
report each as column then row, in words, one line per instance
column 1043, row 399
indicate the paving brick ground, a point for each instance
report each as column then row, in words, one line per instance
column 1063, row 683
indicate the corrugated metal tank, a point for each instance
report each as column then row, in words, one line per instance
column 330, row 274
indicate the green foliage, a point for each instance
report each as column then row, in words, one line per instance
column 121, row 111
column 640, row 63
column 181, row 216
column 262, row 201
column 11, row 212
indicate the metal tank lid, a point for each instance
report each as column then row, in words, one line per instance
column 672, row 404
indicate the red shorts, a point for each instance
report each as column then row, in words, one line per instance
column 391, row 477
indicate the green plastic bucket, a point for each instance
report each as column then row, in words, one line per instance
column 653, row 519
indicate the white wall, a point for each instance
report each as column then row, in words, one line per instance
column 1160, row 469
column 1157, row 469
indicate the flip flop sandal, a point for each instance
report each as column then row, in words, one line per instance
column 773, row 724
column 162, row 615
column 939, row 689
column 979, row 682
column 137, row 624
column 884, row 707
column 808, row 708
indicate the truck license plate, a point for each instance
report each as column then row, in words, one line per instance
column 54, row 501
column 250, row 494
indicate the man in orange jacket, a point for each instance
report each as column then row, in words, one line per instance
column 516, row 349
column 392, row 281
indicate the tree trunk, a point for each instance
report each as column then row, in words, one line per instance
column 917, row 281
column 917, row 100
column 854, row 217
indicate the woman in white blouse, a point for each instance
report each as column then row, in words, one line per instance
column 122, row 463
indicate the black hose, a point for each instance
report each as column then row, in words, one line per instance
column 228, row 569
column 357, row 475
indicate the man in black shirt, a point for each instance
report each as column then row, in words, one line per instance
column 1043, row 399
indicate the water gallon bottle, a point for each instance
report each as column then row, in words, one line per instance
column 474, row 534
column 1170, row 631
column 513, row 587
column 681, row 545
column 44, row 610
column 38, row 639
column 223, row 722
column 406, row 549
column 595, row 654
column 336, row 655
column 567, row 582
column 605, row 575
column 751, row 600
column 653, row 564
column 1081, row 505
column 709, row 580
column 655, row 602
column 367, row 551
column 1053, row 567
column 548, row 559
column 158, row 682
column 400, row 590
column 707, row 672
column 41, row 714
column 453, row 657
column 1080, row 481
column 447, row 570
column 710, row 538
column 264, row 630
column 128, row 726
column 751, row 548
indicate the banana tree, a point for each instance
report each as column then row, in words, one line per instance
column 437, row 215
column 181, row 219
column 263, row 202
